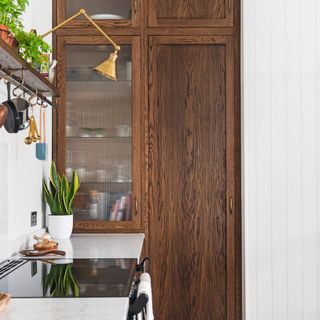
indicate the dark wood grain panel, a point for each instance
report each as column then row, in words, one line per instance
column 188, row 184
column 198, row 9
column 191, row 13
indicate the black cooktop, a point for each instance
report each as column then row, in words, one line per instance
column 67, row 278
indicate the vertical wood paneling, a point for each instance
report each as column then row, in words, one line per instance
column 278, row 160
column 281, row 167
column 317, row 118
column 263, row 163
column 309, row 214
column 249, row 162
column 294, row 164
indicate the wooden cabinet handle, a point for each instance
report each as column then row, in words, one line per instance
column 231, row 205
column 135, row 205
column 135, row 7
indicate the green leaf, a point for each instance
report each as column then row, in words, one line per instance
column 75, row 185
column 64, row 193
column 60, row 194
column 48, row 196
column 54, row 177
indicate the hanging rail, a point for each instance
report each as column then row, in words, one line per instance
column 11, row 77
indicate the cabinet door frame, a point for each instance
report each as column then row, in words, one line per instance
column 233, row 257
column 154, row 21
column 59, row 128
column 59, row 9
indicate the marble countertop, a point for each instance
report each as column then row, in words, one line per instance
column 81, row 246
column 100, row 246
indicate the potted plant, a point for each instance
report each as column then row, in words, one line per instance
column 59, row 196
column 32, row 47
column 10, row 19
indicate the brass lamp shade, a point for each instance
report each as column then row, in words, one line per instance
column 108, row 67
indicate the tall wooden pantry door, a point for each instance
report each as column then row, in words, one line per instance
column 191, row 177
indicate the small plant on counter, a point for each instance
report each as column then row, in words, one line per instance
column 60, row 195
column 31, row 46
column 60, row 281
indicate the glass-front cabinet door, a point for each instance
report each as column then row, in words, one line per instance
column 119, row 13
column 99, row 127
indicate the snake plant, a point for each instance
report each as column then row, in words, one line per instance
column 60, row 194
column 60, row 281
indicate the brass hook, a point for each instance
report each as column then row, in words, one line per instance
column 6, row 79
column 32, row 97
column 39, row 101
column 18, row 87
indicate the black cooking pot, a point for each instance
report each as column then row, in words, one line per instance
column 17, row 118
column 22, row 106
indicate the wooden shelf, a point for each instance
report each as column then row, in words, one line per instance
column 19, row 70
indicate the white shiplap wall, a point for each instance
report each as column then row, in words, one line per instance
column 281, row 158
column 20, row 172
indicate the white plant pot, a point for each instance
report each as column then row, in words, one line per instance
column 60, row 227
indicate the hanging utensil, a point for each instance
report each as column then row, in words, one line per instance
column 22, row 106
column 33, row 130
column 28, row 139
column 12, row 121
column 35, row 134
column 41, row 148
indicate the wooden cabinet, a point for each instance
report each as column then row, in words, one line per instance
column 191, row 177
column 181, row 100
column 98, row 132
column 191, row 13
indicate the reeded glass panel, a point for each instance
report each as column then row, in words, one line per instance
column 98, row 133
column 101, row 9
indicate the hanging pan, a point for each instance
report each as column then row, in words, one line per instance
column 3, row 114
column 22, row 106
column 12, row 122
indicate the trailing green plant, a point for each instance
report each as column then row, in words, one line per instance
column 60, row 281
column 32, row 46
column 10, row 13
column 60, row 195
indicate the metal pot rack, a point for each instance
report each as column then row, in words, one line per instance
column 20, row 82
column 14, row 69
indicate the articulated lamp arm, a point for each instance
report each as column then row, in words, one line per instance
column 108, row 67
column 84, row 13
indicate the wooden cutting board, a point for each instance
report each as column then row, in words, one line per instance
column 35, row 253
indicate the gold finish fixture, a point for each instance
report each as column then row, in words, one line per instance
column 108, row 67
column 33, row 135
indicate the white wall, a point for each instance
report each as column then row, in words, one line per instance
column 281, row 158
column 21, row 175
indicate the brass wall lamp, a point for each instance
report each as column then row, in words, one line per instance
column 106, row 68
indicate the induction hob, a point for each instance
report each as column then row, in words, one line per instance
column 67, row 278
